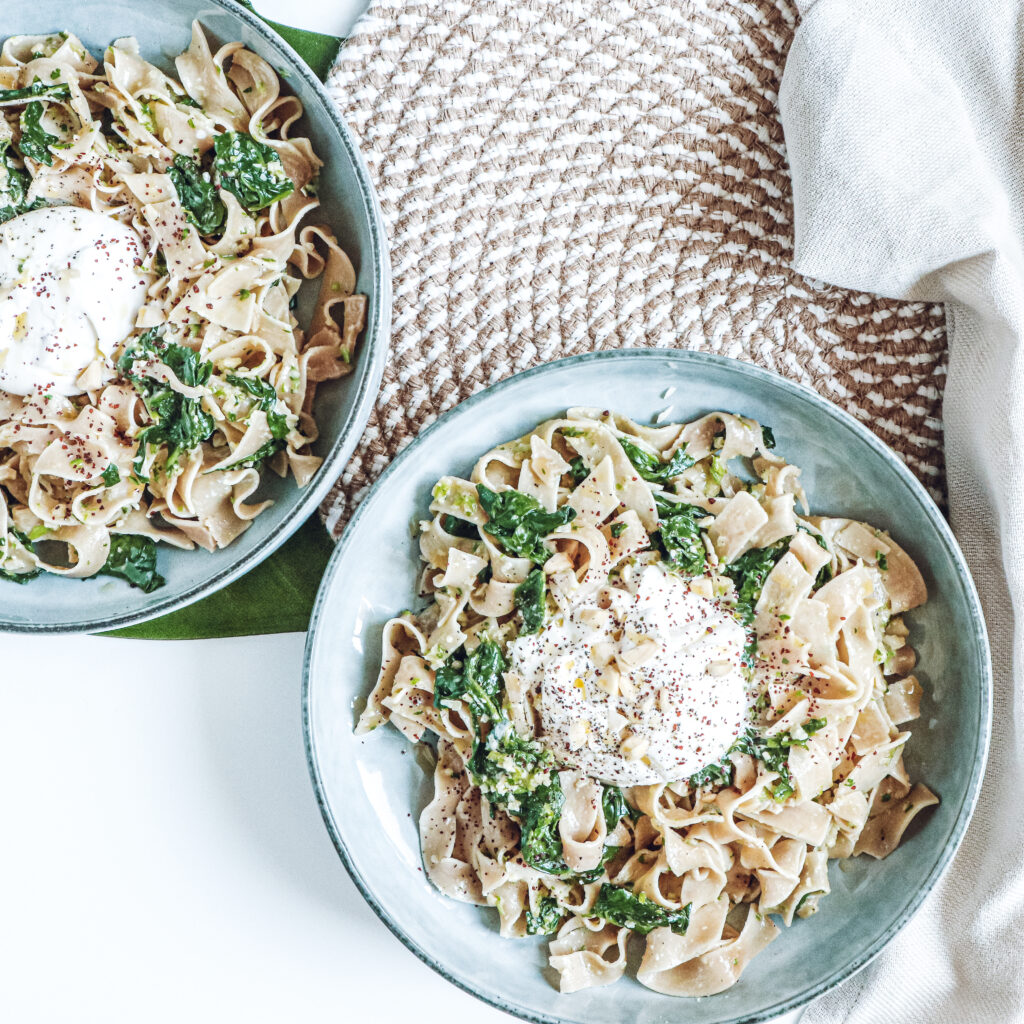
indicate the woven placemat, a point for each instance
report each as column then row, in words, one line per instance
column 560, row 176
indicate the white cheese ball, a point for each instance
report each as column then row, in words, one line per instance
column 70, row 290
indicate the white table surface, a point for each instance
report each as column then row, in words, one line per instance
column 162, row 857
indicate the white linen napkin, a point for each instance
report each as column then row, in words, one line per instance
column 904, row 123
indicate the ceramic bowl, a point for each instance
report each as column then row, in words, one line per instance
column 367, row 786
column 349, row 205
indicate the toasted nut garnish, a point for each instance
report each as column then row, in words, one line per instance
column 634, row 747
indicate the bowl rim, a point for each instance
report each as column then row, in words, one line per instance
column 369, row 373
column 760, row 375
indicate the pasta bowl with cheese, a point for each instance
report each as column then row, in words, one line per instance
column 194, row 303
column 673, row 712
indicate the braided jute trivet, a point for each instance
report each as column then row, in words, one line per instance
column 560, row 176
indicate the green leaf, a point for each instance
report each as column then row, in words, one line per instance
column 36, row 89
column 678, row 536
column 459, row 528
column 478, row 680
column 546, row 920
column 579, row 470
column 202, row 205
column 529, row 599
column 111, row 475
column 748, row 574
column 769, row 436
column 719, row 773
column 14, row 186
column 540, row 843
column 650, row 467
column 26, row 542
column 508, row 767
column 179, row 423
column 520, row 523
column 133, row 558
column 614, row 807
column 825, row 572
column 635, row 911
column 35, row 140
column 264, row 452
column 267, row 399
column 250, row 170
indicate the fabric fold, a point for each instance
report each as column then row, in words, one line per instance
column 905, row 135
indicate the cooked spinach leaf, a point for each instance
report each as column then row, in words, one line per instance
column 26, row 542
column 529, row 600
column 639, row 913
column 614, row 806
column 265, row 451
column 650, row 467
column 548, row 917
column 825, row 572
column 459, row 528
column 719, row 773
column 773, row 752
column 748, row 574
column 678, row 536
column 199, row 199
column 579, row 470
column 179, row 423
column 477, row 680
column 14, row 185
column 133, row 558
column 111, row 475
column 36, row 89
column 35, row 140
column 509, row 768
column 267, row 401
column 520, row 523
column 540, row 843
column 769, row 436
column 250, row 170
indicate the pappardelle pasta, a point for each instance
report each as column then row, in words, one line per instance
column 152, row 244
column 664, row 694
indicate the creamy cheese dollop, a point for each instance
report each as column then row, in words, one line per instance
column 648, row 689
column 70, row 291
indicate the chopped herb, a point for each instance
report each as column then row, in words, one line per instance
column 883, row 562
column 618, row 529
column 579, row 470
column 768, row 436
column 111, row 475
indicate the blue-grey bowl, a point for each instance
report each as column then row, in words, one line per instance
column 349, row 206
column 370, row 792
